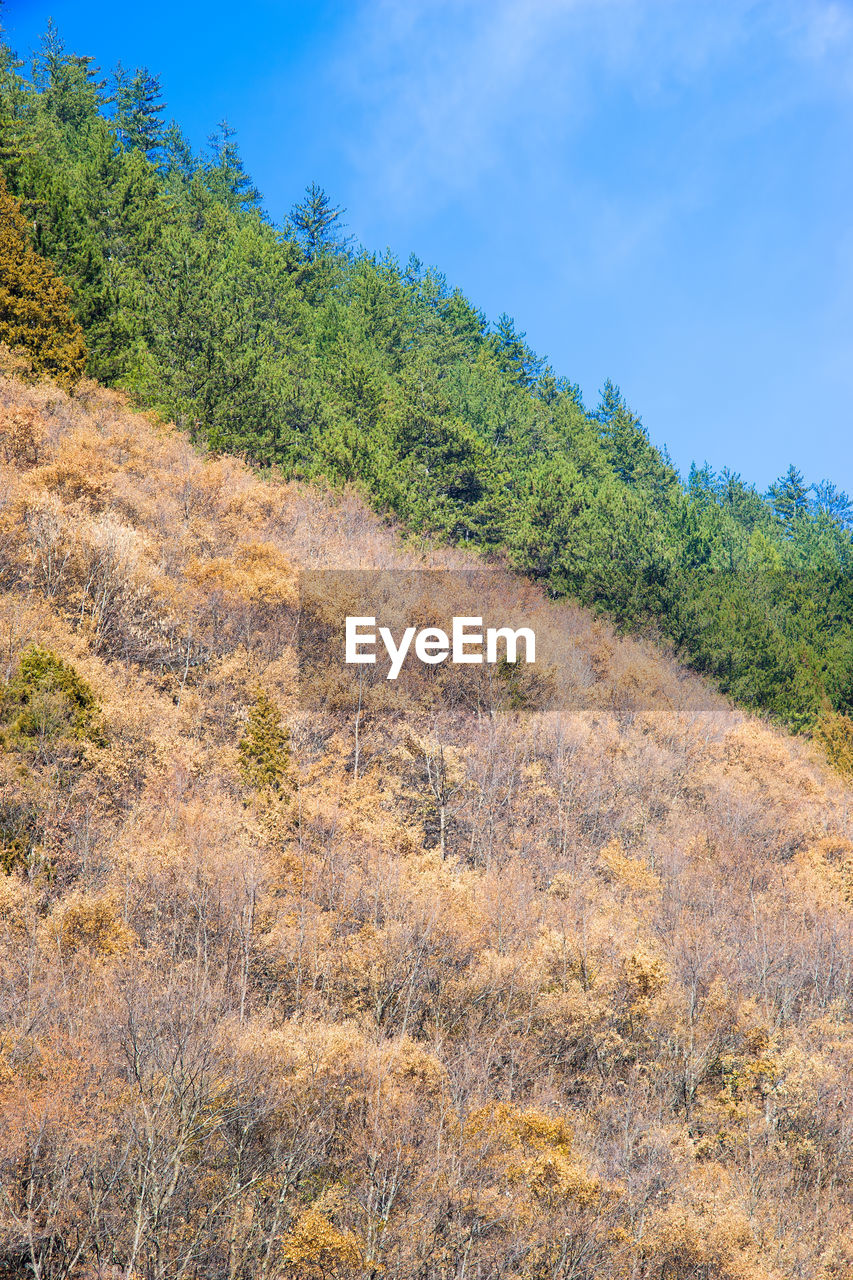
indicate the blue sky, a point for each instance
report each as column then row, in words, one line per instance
column 659, row 191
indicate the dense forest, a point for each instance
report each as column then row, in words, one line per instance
column 297, row 350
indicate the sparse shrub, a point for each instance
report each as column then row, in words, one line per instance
column 18, row 826
column 21, row 435
column 607, row 1034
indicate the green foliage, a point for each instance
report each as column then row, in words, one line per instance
column 524, row 687
column 265, row 748
column 226, row 175
column 316, row 221
column 19, row 817
column 47, row 713
column 294, row 350
column 35, row 316
column 789, row 497
column 138, row 107
column 514, row 356
column 46, row 700
column 834, row 732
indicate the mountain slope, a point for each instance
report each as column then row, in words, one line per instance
column 255, row 1024
column 300, row 351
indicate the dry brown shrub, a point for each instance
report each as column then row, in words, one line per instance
column 629, row 976
column 21, row 436
column 90, row 922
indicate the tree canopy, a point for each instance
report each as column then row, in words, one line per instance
column 35, row 310
column 298, row 349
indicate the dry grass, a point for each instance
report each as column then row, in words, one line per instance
column 607, row 1034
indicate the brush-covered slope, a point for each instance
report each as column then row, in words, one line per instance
column 297, row 349
column 258, row 1020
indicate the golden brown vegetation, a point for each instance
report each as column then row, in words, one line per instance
column 35, row 305
column 347, row 990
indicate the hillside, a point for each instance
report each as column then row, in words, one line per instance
column 256, row 1021
column 296, row 348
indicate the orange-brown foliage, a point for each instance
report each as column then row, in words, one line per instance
column 561, row 994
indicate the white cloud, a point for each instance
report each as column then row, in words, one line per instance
column 452, row 89
column 459, row 100
column 821, row 32
column 825, row 29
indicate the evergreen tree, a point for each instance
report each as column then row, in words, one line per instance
column 468, row 324
column 71, row 92
column 226, row 174
column 35, row 306
column 317, row 222
column 177, row 162
column 265, row 749
column 789, row 497
column 13, row 104
column 514, row 356
column 742, row 500
column 138, row 107
column 833, row 502
column 626, row 444
column 702, row 484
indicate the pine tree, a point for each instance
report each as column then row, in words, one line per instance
column 13, row 96
column 70, row 91
column 515, row 357
column 177, row 161
column 702, row 484
column 43, row 675
column 317, row 221
column 35, row 305
column 789, row 496
column 626, row 445
column 741, row 500
column 833, row 503
column 265, row 749
column 226, row 174
column 138, row 106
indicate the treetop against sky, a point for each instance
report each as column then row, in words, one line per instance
column 652, row 190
